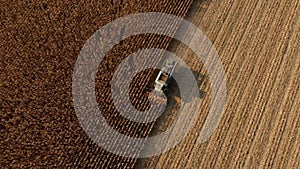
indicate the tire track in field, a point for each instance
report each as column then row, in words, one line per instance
column 252, row 82
column 174, row 158
column 268, row 84
column 286, row 150
column 207, row 104
column 281, row 121
column 232, row 41
column 283, row 151
column 279, row 129
column 223, row 134
column 264, row 128
column 169, row 159
column 294, row 156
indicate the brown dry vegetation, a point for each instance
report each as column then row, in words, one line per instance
column 39, row 47
column 258, row 44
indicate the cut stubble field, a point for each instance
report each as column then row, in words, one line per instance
column 258, row 43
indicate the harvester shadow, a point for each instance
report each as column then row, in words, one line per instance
column 174, row 91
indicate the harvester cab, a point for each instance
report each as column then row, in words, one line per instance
column 164, row 76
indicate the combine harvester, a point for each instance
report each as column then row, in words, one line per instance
column 157, row 89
